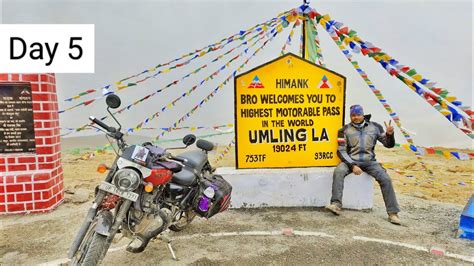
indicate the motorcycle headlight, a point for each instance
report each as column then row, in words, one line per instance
column 127, row 179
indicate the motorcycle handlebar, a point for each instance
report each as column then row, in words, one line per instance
column 100, row 123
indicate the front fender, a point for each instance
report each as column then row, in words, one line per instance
column 105, row 219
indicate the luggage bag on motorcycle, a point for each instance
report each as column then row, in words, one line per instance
column 213, row 197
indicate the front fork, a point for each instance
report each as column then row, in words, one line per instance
column 119, row 218
column 87, row 222
column 90, row 215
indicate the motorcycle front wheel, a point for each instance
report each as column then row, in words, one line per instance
column 91, row 248
column 186, row 218
column 94, row 253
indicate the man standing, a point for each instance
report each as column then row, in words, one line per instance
column 356, row 150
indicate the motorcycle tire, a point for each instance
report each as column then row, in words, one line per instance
column 78, row 258
column 94, row 252
column 183, row 222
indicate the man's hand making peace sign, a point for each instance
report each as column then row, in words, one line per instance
column 389, row 127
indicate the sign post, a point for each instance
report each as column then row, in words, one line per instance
column 287, row 114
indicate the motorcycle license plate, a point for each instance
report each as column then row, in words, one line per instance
column 114, row 190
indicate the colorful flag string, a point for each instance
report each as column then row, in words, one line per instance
column 433, row 151
column 451, row 108
column 244, row 42
column 197, row 53
column 443, row 106
column 374, row 90
column 216, row 90
column 190, row 91
column 199, row 84
column 347, row 41
column 301, row 36
column 319, row 53
column 224, row 152
column 101, row 149
column 288, row 41
column 190, row 128
column 271, row 25
column 194, row 128
column 271, row 34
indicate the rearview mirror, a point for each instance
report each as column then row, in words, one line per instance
column 189, row 139
column 113, row 101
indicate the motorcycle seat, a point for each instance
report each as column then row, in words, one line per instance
column 185, row 177
column 195, row 159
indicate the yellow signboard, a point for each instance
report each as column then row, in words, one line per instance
column 287, row 114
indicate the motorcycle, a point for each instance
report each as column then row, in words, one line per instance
column 147, row 190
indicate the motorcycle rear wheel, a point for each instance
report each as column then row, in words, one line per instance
column 186, row 218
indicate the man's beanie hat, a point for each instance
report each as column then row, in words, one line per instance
column 356, row 109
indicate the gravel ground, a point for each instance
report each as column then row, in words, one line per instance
column 46, row 237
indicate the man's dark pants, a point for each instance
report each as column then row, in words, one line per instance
column 372, row 168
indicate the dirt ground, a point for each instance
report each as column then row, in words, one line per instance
column 47, row 237
column 431, row 210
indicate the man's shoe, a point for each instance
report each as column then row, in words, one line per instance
column 393, row 218
column 334, row 209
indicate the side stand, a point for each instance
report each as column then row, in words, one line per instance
column 167, row 240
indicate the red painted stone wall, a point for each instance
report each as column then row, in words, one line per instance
column 34, row 182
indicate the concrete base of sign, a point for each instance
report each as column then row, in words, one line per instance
column 296, row 187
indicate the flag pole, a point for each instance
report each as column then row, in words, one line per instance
column 303, row 29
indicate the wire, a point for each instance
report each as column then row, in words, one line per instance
column 111, row 145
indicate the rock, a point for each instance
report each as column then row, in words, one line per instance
column 10, row 255
column 80, row 195
column 20, row 258
column 427, row 185
column 69, row 190
column 13, row 257
column 417, row 194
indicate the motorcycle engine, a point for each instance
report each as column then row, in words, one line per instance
column 144, row 226
column 148, row 224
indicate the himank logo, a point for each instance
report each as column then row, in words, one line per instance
column 325, row 84
column 256, row 84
